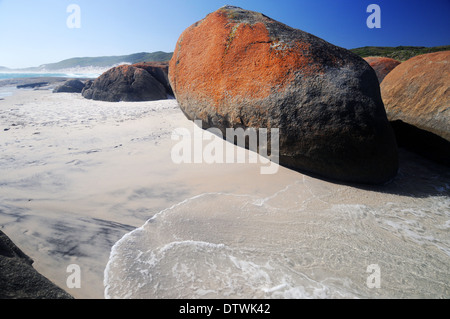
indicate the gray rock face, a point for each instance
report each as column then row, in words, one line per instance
column 125, row 83
column 70, row 86
column 159, row 70
column 238, row 68
column 19, row 280
column 87, row 86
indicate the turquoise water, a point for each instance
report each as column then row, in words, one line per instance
column 29, row 75
column 34, row 75
column 6, row 92
column 9, row 90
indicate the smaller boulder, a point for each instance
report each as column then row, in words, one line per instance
column 32, row 85
column 416, row 95
column 70, row 86
column 417, row 92
column 382, row 66
column 125, row 83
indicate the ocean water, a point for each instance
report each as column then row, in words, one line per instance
column 6, row 91
column 89, row 72
column 11, row 75
column 9, row 90
column 311, row 239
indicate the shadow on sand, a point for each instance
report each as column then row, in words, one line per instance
column 417, row 177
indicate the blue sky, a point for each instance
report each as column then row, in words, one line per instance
column 34, row 32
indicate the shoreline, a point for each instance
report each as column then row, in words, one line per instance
column 52, row 82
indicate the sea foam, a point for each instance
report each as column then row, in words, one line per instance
column 219, row 245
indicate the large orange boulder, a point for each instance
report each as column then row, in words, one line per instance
column 382, row 65
column 417, row 92
column 241, row 69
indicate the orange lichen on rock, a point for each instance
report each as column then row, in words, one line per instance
column 417, row 92
column 382, row 66
column 254, row 59
column 252, row 63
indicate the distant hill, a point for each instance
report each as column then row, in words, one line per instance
column 104, row 61
column 400, row 53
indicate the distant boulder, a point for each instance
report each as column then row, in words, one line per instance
column 241, row 69
column 32, row 85
column 70, row 86
column 125, row 83
column 382, row 66
column 18, row 278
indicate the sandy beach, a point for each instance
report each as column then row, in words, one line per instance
column 80, row 177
